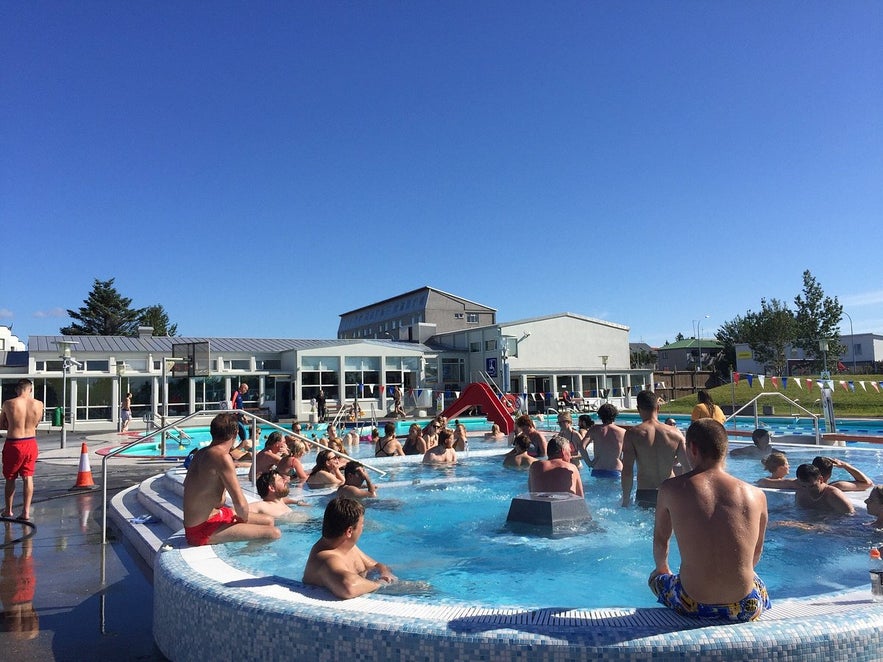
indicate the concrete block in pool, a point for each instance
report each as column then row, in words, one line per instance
column 549, row 510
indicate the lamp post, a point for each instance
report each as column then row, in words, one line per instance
column 823, row 345
column 604, row 358
column 851, row 341
column 68, row 361
column 699, row 343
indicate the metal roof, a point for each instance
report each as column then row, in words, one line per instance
column 159, row 344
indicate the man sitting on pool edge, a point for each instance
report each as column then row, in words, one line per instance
column 720, row 523
column 335, row 562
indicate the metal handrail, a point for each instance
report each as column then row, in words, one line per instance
column 753, row 401
column 254, row 418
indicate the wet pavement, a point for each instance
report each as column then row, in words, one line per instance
column 90, row 601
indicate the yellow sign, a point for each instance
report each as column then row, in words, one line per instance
column 744, row 355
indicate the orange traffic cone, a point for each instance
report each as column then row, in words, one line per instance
column 84, row 475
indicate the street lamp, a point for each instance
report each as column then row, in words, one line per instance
column 851, row 341
column 68, row 361
column 604, row 358
column 823, row 345
column 699, row 343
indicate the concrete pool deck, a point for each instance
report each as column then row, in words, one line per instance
column 284, row 618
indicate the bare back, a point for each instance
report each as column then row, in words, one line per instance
column 556, row 475
column 655, row 447
column 211, row 472
column 607, row 441
column 720, row 523
column 20, row 415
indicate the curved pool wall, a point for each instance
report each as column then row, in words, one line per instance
column 204, row 608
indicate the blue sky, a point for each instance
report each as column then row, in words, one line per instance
column 260, row 168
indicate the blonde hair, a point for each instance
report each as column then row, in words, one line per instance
column 774, row 460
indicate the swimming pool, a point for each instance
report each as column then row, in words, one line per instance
column 179, row 446
column 447, row 526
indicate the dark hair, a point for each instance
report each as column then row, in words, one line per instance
column 340, row 514
column 758, row 434
column 825, row 466
column 808, row 472
column 352, row 467
column 321, row 461
column 389, row 428
column 224, row 427
column 586, row 419
column 705, row 398
column 709, row 438
column 264, row 480
column 647, row 400
column 521, row 442
column 607, row 413
column 524, row 421
column 273, row 438
column 443, row 436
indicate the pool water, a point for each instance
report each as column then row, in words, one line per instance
column 447, row 526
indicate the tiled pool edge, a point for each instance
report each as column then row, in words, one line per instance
column 204, row 608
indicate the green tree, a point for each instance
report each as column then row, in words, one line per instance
column 157, row 317
column 817, row 317
column 769, row 332
column 105, row 313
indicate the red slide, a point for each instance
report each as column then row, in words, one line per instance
column 478, row 394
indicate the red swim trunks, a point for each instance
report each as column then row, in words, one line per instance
column 19, row 457
column 198, row 535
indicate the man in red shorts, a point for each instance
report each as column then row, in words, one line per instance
column 19, row 417
column 207, row 520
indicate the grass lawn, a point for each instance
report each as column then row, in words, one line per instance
column 859, row 403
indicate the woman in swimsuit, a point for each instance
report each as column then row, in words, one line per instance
column 414, row 444
column 389, row 445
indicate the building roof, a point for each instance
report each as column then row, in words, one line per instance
column 426, row 289
column 159, row 344
column 691, row 343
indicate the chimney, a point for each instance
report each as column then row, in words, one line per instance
column 145, row 331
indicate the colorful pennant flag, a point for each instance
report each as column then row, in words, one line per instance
column 750, row 379
column 775, row 381
column 762, row 380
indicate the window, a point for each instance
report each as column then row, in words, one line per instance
column 452, row 370
column 458, row 316
column 269, row 364
column 857, row 349
column 97, row 366
column 209, row 391
column 490, row 345
column 475, row 347
column 472, row 318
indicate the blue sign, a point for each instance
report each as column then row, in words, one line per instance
column 491, row 367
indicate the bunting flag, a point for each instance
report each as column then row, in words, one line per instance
column 843, row 384
column 456, row 394
column 735, row 377
column 829, row 384
column 821, row 384
column 809, row 385
column 775, row 381
column 851, row 385
column 750, row 379
column 876, row 388
column 864, row 388
column 785, row 382
column 419, row 392
column 761, row 379
column 797, row 381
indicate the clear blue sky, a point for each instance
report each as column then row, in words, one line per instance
column 260, row 168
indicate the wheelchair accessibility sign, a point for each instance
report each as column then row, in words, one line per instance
column 491, row 367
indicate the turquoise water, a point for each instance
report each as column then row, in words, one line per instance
column 447, row 526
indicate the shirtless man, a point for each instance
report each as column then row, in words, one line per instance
column 19, row 417
column 443, row 452
column 814, row 494
column 761, row 448
column 273, row 488
column 388, row 445
column 655, row 447
column 524, row 425
column 335, row 561
column 518, row 457
column 826, row 465
column 720, row 524
column 358, row 484
column 556, row 474
column 606, row 439
column 207, row 520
